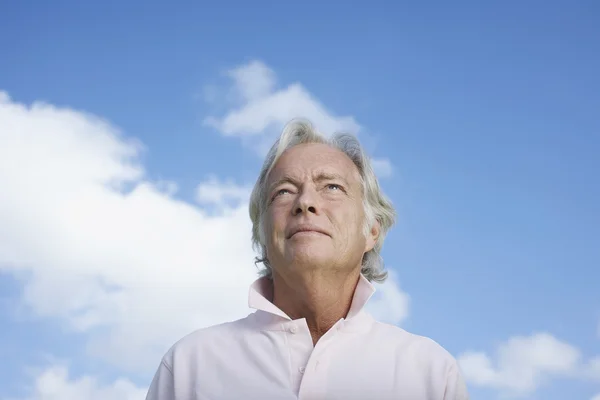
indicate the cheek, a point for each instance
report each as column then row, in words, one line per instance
column 349, row 225
column 275, row 222
column 356, row 224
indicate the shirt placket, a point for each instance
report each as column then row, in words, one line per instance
column 314, row 380
column 300, row 347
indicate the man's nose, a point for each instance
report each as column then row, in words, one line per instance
column 306, row 202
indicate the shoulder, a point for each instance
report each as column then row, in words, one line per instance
column 421, row 357
column 192, row 356
column 202, row 342
column 406, row 344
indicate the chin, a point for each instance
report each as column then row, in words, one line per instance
column 308, row 257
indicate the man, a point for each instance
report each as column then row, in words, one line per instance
column 319, row 222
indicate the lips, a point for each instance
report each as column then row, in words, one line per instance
column 306, row 228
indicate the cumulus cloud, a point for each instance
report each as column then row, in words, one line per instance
column 215, row 192
column 113, row 256
column 383, row 167
column 389, row 304
column 109, row 253
column 54, row 383
column 524, row 363
column 592, row 369
column 253, row 81
column 263, row 109
column 260, row 109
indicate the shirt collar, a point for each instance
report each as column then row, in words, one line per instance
column 261, row 294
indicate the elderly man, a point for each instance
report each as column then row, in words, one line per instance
column 319, row 221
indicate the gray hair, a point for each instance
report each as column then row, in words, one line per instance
column 377, row 206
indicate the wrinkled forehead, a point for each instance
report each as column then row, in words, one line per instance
column 312, row 161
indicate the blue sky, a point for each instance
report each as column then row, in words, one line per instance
column 130, row 134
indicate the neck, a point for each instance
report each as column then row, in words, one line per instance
column 322, row 300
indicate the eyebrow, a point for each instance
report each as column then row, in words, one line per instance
column 325, row 176
column 320, row 177
column 285, row 179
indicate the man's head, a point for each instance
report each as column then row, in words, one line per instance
column 317, row 204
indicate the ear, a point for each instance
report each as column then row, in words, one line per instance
column 372, row 236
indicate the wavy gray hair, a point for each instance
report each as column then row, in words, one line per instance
column 377, row 206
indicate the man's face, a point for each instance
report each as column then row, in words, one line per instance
column 315, row 217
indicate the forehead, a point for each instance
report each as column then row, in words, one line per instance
column 311, row 158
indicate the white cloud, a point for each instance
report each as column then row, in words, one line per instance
column 261, row 110
column 253, row 81
column 217, row 193
column 524, row 363
column 54, row 383
column 592, row 369
column 134, row 269
column 383, row 167
column 596, row 397
column 265, row 109
column 389, row 304
column 110, row 254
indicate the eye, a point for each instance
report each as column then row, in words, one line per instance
column 280, row 192
column 333, row 186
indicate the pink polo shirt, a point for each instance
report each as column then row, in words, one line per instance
column 267, row 356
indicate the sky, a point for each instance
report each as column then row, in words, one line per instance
column 131, row 134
